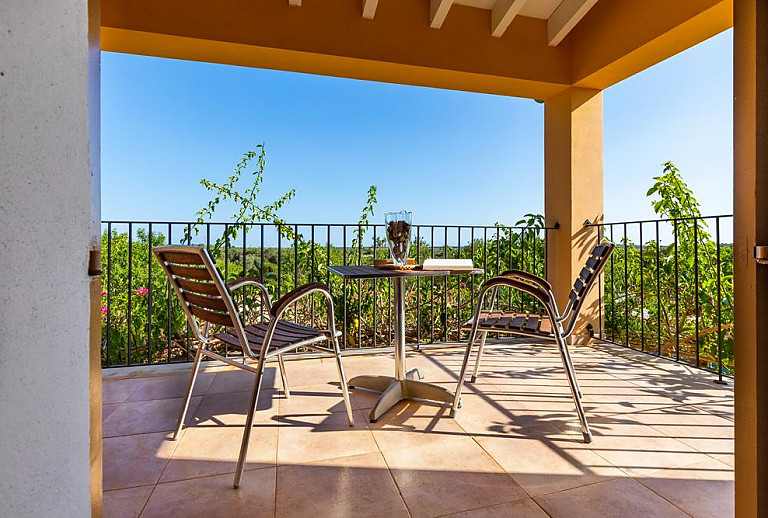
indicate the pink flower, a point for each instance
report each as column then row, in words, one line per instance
column 104, row 310
column 103, row 293
column 141, row 291
column 463, row 284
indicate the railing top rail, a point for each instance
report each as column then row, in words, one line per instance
column 662, row 220
column 288, row 224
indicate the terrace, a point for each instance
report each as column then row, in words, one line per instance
column 87, row 415
column 663, row 441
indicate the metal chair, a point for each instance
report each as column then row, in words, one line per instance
column 554, row 325
column 205, row 297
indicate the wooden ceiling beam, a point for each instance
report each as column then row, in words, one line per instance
column 369, row 9
column 502, row 15
column 567, row 15
column 438, row 10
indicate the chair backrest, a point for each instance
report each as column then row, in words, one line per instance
column 200, row 288
column 586, row 280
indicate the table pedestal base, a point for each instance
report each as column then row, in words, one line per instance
column 393, row 391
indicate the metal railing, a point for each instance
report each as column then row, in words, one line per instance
column 143, row 324
column 668, row 290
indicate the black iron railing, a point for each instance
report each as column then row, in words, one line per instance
column 668, row 289
column 143, row 324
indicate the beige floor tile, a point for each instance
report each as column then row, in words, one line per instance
column 378, row 365
column 450, row 477
column 239, row 380
column 525, row 508
column 170, row 386
column 117, row 390
column 722, row 408
column 135, row 460
column 358, row 486
column 547, row 461
column 619, row 498
column 125, row 503
column 638, row 449
column 214, row 497
column 315, row 399
column 702, row 431
column 704, row 489
column 306, row 438
column 312, row 372
column 231, row 409
column 204, row 451
column 413, row 424
column 157, row 415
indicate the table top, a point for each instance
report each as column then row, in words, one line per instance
column 371, row 272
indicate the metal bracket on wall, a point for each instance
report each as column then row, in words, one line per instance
column 94, row 263
column 761, row 254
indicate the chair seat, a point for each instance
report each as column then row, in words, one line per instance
column 286, row 333
column 512, row 322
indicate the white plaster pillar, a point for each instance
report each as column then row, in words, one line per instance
column 49, row 213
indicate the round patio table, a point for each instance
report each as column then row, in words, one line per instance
column 403, row 385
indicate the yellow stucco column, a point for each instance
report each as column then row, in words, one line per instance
column 750, row 189
column 573, row 190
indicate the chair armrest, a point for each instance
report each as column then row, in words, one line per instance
column 528, row 277
column 296, row 294
column 251, row 281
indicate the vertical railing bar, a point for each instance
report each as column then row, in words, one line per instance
column 130, row 292
column 344, row 256
column 312, row 272
column 149, row 295
column 279, row 260
column 658, row 292
column 696, row 281
column 613, row 294
column 262, row 280
column 109, row 294
column 719, row 306
column 642, row 293
column 375, row 284
column 296, row 267
column 458, row 288
column 626, row 289
column 418, row 289
column 359, row 288
column 169, row 298
column 445, row 287
column 472, row 277
column 245, row 268
column 432, row 288
column 189, row 331
column 677, row 299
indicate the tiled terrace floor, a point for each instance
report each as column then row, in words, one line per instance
column 663, row 442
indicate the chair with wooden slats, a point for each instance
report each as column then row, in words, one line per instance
column 553, row 325
column 206, row 299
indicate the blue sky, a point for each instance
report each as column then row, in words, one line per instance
column 450, row 157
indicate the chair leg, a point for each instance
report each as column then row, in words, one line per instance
column 480, row 349
column 463, row 373
column 573, row 370
column 574, row 389
column 343, row 379
column 249, row 423
column 188, row 397
column 283, row 376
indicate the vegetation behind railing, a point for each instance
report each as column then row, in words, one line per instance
column 144, row 324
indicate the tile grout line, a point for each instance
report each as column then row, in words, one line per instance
column 389, row 469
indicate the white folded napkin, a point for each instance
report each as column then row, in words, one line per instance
column 448, row 264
